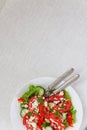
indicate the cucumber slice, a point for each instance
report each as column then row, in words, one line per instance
column 22, row 105
column 52, row 104
column 23, row 112
column 40, row 91
column 48, row 128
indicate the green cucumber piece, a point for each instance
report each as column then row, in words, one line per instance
column 40, row 90
column 57, row 113
column 23, row 112
column 22, row 105
column 48, row 128
column 52, row 104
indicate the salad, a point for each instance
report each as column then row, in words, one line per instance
column 52, row 113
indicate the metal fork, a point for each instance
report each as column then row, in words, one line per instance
column 63, row 85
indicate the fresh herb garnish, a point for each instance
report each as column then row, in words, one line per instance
column 44, row 125
column 72, row 108
column 52, row 90
column 66, row 123
column 29, row 114
column 51, row 109
column 40, row 100
column 57, row 113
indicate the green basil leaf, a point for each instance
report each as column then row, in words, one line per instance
column 40, row 100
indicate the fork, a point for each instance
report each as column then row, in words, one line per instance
column 63, row 85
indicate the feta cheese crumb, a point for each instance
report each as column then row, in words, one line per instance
column 34, row 104
column 61, row 93
column 26, row 106
column 45, row 104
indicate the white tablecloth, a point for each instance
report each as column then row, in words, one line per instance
column 41, row 38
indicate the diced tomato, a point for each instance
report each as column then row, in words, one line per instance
column 30, row 103
column 29, row 126
column 39, row 120
column 39, row 124
column 55, row 97
column 38, row 128
column 70, row 119
column 25, row 118
column 36, row 117
column 56, row 122
column 43, row 111
column 21, row 100
column 66, row 105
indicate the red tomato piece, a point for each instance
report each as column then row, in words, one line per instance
column 25, row 118
column 35, row 117
column 39, row 124
column 29, row 127
column 40, row 121
column 30, row 103
column 55, row 97
column 20, row 100
column 56, row 123
column 66, row 106
column 70, row 119
column 43, row 111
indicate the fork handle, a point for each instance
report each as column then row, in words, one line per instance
column 66, row 83
column 60, row 78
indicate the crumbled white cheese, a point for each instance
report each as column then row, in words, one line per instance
column 37, row 110
column 56, row 102
column 43, row 128
column 53, row 121
column 34, row 104
column 58, row 127
column 61, row 93
column 31, row 122
column 64, row 104
column 59, row 108
column 61, row 99
column 31, row 118
column 33, row 125
column 45, row 104
column 26, row 106
column 24, row 112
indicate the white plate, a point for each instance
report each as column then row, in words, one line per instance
column 15, row 109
